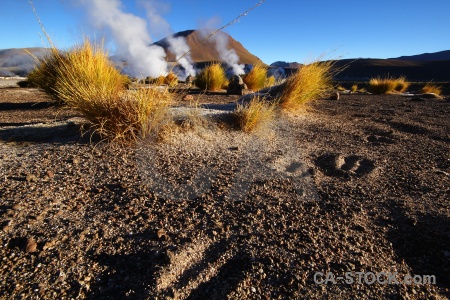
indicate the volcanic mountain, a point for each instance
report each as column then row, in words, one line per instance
column 18, row 61
column 205, row 51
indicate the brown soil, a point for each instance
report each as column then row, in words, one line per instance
column 361, row 184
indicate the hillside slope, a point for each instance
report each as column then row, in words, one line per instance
column 206, row 51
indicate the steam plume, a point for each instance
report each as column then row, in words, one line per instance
column 177, row 45
column 227, row 55
column 221, row 41
column 130, row 35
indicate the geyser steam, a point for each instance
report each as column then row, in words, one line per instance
column 132, row 39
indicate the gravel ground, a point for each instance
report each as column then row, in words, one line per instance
column 351, row 188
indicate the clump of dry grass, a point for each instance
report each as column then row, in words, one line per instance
column 254, row 115
column 354, row 88
column 270, row 81
column 401, row 84
column 387, row 85
column 310, row 82
column 212, row 78
column 256, row 78
column 45, row 73
column 85, row 79
column 171, row 79
column 431, row 88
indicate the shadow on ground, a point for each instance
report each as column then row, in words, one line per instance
column 59, row 132
column 423, row 242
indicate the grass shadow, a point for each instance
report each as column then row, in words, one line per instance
column 423, row 243
column 59, row 132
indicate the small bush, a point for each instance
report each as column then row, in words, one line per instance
column 270, row 81
column 85, row 79
column 354, row 88
column 171, row 79
column 225, row 84
column 309, row 83
column 256, row 78
column 254, row 115
column 45, row 73
column 401, row 84
column 25, row 84
column 160, row 80
column 387, row 85
column 431, row 88
column 212, row 78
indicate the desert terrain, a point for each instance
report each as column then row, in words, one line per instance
column 359, row 184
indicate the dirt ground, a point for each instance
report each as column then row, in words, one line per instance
column 325, row 204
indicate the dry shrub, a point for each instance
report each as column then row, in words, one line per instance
column 171, row 79
column 387, row 85
column 212, row 78
column 310, row 82
column 254, row 115
column 155, row 80
column 45, row 73
column 85, row 79
column 431, row 88
column 354, row 88
column 225, row 84
column 256, row 78
column 401, row 84
column 270, row 81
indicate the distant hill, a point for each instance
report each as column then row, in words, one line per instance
column 441, row 55
column 18, row 61
column 206, row 51
column 283, row 64
column 364, row 69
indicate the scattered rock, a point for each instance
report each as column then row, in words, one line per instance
column 335, row 96
column 31, row 178
column 31, row 246
column 161, row 233
column 187, row 98
column 236, row 86
column 6, row 225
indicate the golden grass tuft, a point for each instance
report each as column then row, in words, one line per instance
column 401, row 84
column 309, row 83
column 171, row 79
column 354, row 88
column 270, row 81
column 212, row 78
column 254, row 115
column 256, row 78
column 45, row 73
column 387, row 85
column 431, row 88
column 85, row 79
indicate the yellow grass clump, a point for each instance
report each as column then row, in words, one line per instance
column 354, row 88
column 387, row 85
column 171, row 79
column 254, row 115
column 44, row 75
column 310, row 82
column 270, row 81
column 212, row 78
column 85, row 79
column 431, row 88
column 256, row 78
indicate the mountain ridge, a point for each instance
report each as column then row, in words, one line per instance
column 205, row 50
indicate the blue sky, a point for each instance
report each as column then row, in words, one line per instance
column 294, row 30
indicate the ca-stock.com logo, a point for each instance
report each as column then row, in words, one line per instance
column 191, row 163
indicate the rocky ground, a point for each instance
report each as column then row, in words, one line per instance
column 361, row 184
